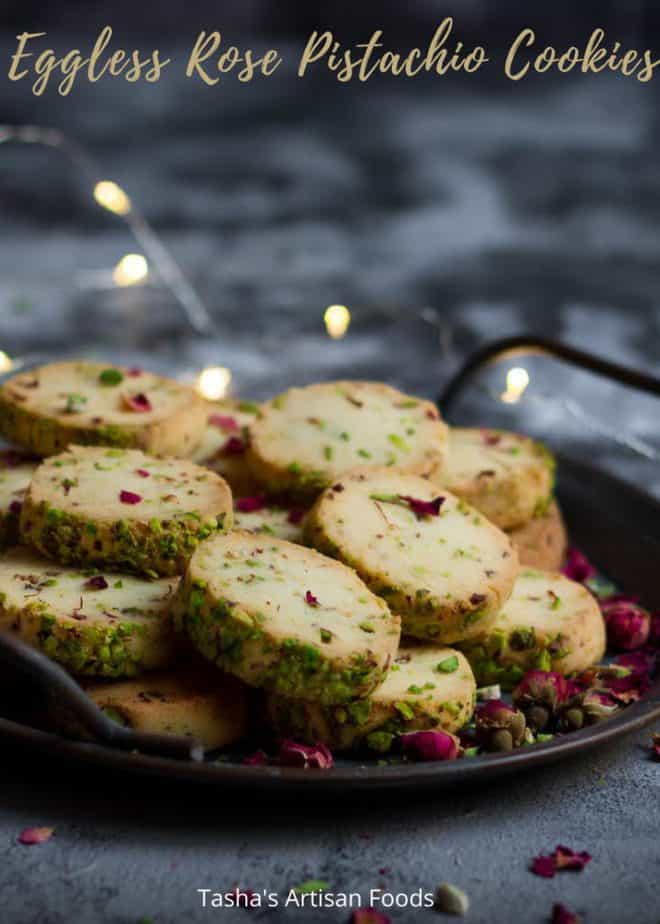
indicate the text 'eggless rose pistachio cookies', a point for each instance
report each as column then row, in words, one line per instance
column 224, row 443
column 286, row 618
column 508, row 477
column 48, row 408
column 197, row 702
column 304, row 439
column 123, row 509
column 102, row 625
column 425, row 688
column 542, row 542
column 549, row 622
column 438, row 562
column 16, row 470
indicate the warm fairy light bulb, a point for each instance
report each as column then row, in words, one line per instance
column 6, row 362
column 131, row 269
column 517, row 380
column 337, row 318
column 213, row 382
column 112, row 197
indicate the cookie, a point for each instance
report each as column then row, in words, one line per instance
column 119, row 508
column 197, row 702
column 542, row 542
column 306, row 438
column 426, row 687
column 506, row 476
column 16, row 470
column 257, row 513
column 101, row 625
column 50, row 407
column 549, row 622
column 223, row 446
column 286, row 618
column 439, row 564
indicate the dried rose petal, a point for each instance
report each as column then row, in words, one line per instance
column 315, row 756
column 655, row 745
column 578, row 567
column 142, row 472
column 129, row 497
column 134, row 372
column 539, row 695
column 562, row 858
column 499, row 727
column 429, row 745
column 310, row 599
column 295, row 516
column 98, row 582
column 422, row 508
column 258, row 759
column 139, row 402
column 628, row 624
column 32, row 836
column 225, row 423
column 490, row 437
column 15, row 507
column 234, row 446
column 562, row 915
column 369, row 916
column 250, row 504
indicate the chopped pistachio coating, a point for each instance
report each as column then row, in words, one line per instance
column 506, row 476
column 16, row 470
column 550, row 622
column 224, row 443
column 95, row 625
column 542, row 542
column 306, row 438
column 286, row 618
column 193, row 701
column 425, row 688
column 119, row 508
column 48, row 408
column 439, row 564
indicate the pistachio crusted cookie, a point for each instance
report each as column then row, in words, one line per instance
column 16, row 470
column 549, row 622
column 196, row 702
column 506, row 476
column 223, row 446
column 120, row 508
column 426, row 687
column 306, row 438
column 285, row 618
column 542, row 542
column 52, row 406
column 439, row 564
column 98, row 625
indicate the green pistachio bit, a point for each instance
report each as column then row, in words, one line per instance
column 367, row 627
column 399, row 442
column 328, row 453
column 471, row 752
column 364, row 453
column 380, row 741
column 522, row 639
column 111, row 377
column 74, row 403
column 295, row 468
column 249, row 407
column 413, row 688
column 344, row 436
column 544, row 661
column 448, row 665
column 541, row 737
column 556, row 602
column 404, row 709
column 326, row 636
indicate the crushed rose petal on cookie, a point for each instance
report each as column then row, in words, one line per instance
column 142, row 472
column 139, row 402
column 423, row 508
column 129, row 497
column 562, row 858
column 31, row 836
column 310, row 599
column 225, row 423
column 429, row 745
column 234, row 446
column 315, row 756
column 98, row 582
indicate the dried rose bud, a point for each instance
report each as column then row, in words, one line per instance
column 562, row 915
column 587, row 708
column 539, row 694
column 429, row 745
column 499, row 727
column 628, row 624
column 317, row 756
column 578, row 567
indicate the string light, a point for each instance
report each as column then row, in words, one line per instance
column 337, row 318
column 517, row 380
column 131, row 269
column 6, row 362
column 112, row 197
column 213, row 382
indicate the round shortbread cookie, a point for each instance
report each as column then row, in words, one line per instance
column 98, row 625
column 549, row 622
column 48, row 408
column 306, row 438
column 542, row 542
column 120, row 508
column 426, row 687
column 439, row 564
column 286, row 618
column 224, row 443
column 197, row 702
column 16, row 470
column 257, row 513
column 506, row 476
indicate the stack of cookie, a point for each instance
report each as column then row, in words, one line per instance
column 365, row 568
